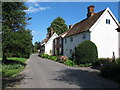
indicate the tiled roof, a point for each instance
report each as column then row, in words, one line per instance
column 62, row 35
column 44, row 41
column 84, row 25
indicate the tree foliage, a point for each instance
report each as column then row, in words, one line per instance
column 58, row 26
column 86, row 52
column 16, row 39
column 37, row 45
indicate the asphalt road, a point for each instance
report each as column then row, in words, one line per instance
column 43, row 73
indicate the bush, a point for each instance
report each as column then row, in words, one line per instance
column 44, row 55
column 111, row 70
column 55, row 58
column 69, row 62
column 86, row 52
column 63, row 59
column 117, row 61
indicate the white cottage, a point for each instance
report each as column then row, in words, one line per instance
column 49, row 45
column 100, row 28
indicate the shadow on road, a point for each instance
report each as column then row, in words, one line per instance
column 84, row 79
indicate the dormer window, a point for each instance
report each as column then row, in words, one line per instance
column 107, row 21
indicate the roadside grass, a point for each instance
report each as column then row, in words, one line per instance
column 23, row 60
column 13, row 66
column 8, row 73
column 11, row 69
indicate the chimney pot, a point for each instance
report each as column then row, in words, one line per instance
column 70, row 26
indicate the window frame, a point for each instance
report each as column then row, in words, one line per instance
column 107, row 21
column 65, row 40
column 71, row 39
column 84, row 35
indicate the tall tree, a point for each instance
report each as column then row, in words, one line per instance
column 16, row 39
column 58, row 26
column 37, row 45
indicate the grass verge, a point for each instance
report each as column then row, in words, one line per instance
column 11, row 68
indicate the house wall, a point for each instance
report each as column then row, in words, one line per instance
column 77, row 39
column 49, row 45
column 105, row 36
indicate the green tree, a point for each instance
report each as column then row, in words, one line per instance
column 37, row 45
column 16, row 40
column 58, row 26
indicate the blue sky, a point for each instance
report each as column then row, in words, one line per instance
column 43, row 13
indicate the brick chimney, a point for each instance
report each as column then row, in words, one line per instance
column 90, row 11
column 70, row 26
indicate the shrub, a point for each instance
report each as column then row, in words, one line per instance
column 69, row 62
column 111, row 70
column 55, row 58
column 86, row 52
column 63, row 58
column 117, row 61
column 44, row 55
column 49, row 57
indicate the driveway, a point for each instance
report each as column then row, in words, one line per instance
column 43, row 73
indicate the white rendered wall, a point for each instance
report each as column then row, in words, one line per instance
column 105, row 37
column 49, row 44
column 77, row 39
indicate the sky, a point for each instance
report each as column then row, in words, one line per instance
column 43, row 13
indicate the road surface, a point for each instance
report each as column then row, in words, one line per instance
column 43, row 73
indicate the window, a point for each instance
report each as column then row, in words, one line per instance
column 65, row 40
column 107, row 21
column 70, row 51
column 71, row 39
column 84, row 35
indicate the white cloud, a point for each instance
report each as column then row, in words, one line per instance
column 35, row 32
column 35, row 7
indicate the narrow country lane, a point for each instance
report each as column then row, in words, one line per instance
column 42, row 73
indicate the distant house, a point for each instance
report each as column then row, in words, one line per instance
column 49, row 45
column 58, row 44
column 98, row 27
column 42, row 48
